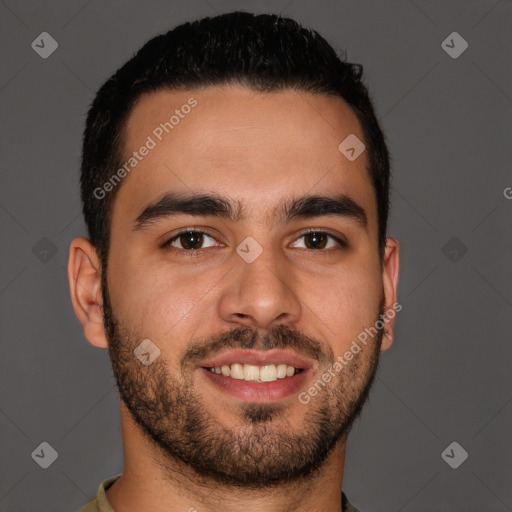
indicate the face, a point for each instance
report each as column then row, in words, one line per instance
column 220, row 260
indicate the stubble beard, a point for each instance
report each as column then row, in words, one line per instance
column 263, row 450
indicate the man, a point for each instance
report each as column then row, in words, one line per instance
column 235, row 186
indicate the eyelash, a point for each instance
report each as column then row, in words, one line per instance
column 194, row 252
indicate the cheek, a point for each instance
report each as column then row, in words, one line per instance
column 346, row 303
column 159, row 302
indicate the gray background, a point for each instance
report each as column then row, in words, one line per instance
column 448, row 123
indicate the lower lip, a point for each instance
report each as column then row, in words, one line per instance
column 248, row 391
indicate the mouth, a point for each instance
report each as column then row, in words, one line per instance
column 258, row 376
column 253, row 373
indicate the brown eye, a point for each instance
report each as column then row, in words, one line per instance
column 191, row 240
column 316, row 240
column 320, row 240
column 188, row 241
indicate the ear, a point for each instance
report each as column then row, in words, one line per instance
column 84, row 274
column 390, row 271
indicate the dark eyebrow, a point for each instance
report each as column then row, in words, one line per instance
column 205, row 205
column 308, row 207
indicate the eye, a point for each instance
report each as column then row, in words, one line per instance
column 189, row 240
column 320, row 240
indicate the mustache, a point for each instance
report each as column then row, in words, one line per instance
column 280, row 336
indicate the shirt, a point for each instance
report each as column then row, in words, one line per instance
column 101, row 504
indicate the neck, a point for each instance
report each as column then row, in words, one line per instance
column 151, row 480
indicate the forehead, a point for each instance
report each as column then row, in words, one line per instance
column 258, row 148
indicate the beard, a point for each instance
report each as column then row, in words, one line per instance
column 264, row 449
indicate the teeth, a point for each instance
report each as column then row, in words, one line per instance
column 252, row 373
column 236, row 371
column 269, row 373
column 281, row 371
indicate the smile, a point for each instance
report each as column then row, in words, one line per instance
column 253, row 373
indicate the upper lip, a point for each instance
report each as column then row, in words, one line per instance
column 258, row 358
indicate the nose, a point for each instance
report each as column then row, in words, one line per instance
column 260, row 294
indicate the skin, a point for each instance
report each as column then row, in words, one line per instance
column 258, row 149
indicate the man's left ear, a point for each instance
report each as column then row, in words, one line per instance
column 390, row 271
